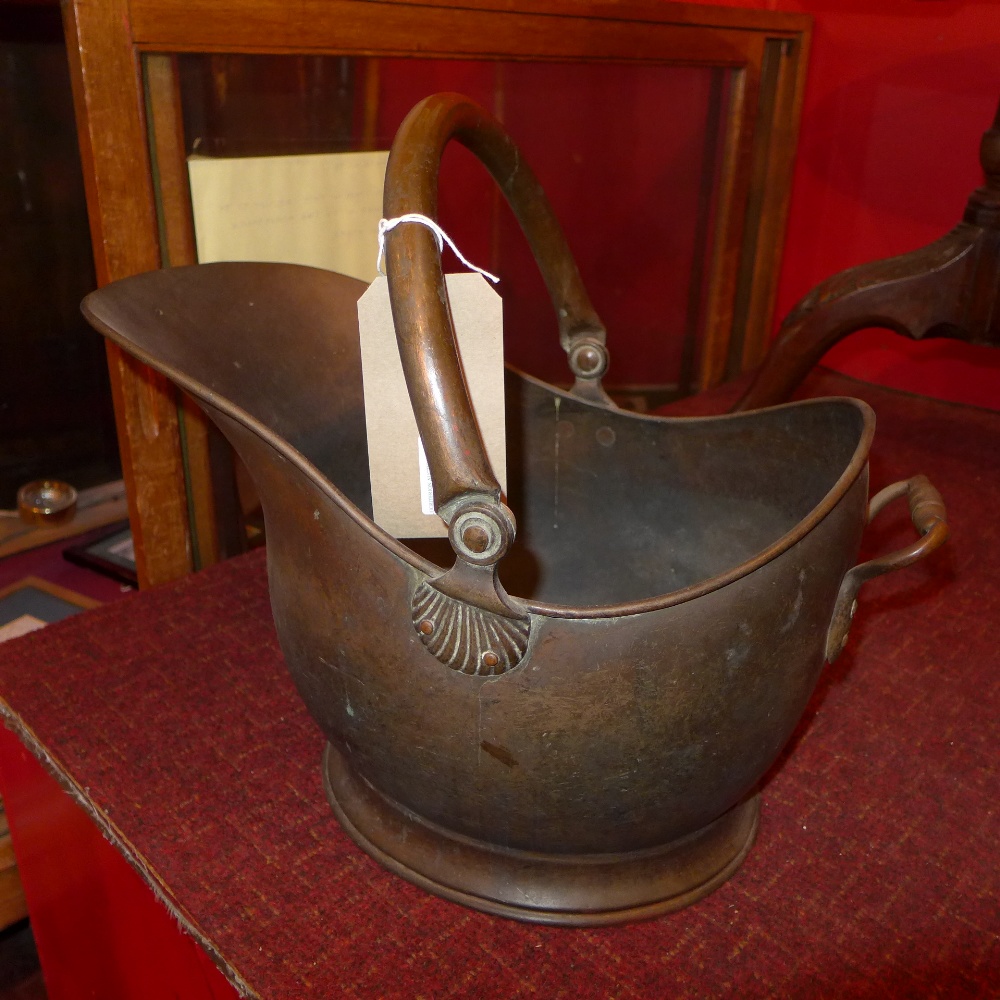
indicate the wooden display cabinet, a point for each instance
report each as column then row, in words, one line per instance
column 131, row 62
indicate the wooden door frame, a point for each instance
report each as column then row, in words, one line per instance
column 128, row 116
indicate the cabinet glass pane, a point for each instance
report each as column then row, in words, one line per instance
column 628, row 154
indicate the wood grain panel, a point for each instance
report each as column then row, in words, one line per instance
column 774, row 182
column 272, row 24
column 364, row 28
column 730, row 221
column 107, row 92
column 177, row 242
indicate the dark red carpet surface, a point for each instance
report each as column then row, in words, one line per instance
column 874, row 874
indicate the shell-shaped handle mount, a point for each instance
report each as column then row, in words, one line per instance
column 467, row 638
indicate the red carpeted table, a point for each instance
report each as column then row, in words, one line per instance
column 172, row 722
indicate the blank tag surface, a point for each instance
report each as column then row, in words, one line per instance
column 398, row 497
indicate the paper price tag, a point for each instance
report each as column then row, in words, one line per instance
column 402, row 493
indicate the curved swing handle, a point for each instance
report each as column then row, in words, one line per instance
column 455, row 453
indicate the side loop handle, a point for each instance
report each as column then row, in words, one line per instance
column 454, row 447
column 927, row 511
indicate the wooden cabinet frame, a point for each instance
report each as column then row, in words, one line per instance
column 128, row 111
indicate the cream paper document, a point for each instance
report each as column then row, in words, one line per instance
column 319, row 209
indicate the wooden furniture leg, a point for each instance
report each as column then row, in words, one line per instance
column 950, row 288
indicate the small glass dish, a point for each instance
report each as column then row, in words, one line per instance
column 46, row 501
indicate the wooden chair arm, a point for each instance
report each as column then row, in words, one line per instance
column 950, row 288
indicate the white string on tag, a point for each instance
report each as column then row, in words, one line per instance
column 439, row 234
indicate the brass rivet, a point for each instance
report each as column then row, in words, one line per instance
column 490, row 659
column 476, row 538
column 426, row 626
column 588, row 359
column 605, row 436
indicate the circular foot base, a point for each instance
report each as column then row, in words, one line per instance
column 576, row 890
